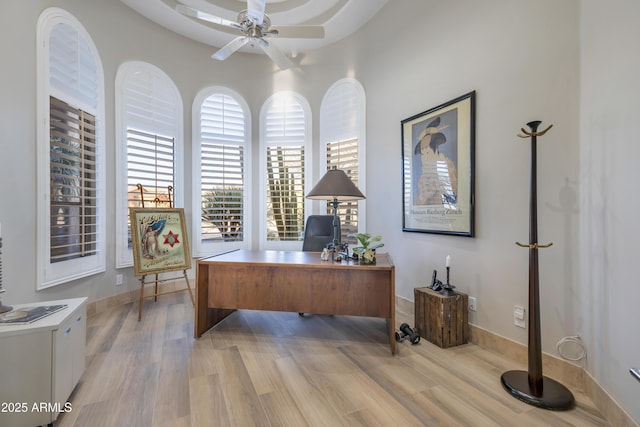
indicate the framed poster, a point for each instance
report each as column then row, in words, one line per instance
column 437, row 168
column 159, row 238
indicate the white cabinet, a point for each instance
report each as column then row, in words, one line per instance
column 41, row 363
column 69, row 355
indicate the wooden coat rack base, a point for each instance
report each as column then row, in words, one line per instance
column 554, row 395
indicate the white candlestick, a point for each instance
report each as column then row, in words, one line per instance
column 448, row 262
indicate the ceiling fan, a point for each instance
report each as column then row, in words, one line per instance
column 255, row 27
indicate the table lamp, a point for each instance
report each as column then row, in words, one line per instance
column 335, row 186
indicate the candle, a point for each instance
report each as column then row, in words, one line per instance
column 448, row 264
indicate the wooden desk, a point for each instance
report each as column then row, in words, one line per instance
column 293, row 281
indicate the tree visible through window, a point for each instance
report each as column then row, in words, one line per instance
column 285, row 126
column 285, row 192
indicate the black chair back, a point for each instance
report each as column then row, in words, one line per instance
column 318, row 233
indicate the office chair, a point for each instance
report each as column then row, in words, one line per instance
column 318, row 233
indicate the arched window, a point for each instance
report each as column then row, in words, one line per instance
column 221, row 172
column 149, row 147
column 342, row 145
column 285, row 149
column 70, row 153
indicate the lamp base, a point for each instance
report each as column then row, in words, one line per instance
column 554, row 395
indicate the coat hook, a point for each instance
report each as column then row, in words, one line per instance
column 528, row 134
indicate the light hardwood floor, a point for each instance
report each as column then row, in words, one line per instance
column 279, row 369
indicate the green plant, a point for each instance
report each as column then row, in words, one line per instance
column 366, row 242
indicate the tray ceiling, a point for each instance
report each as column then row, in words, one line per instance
column 340, row 18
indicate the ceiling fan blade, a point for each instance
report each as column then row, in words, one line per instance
column 229, row 48
column 276, row 55
column 195, row 13
column 298, row 31
column 255, row 9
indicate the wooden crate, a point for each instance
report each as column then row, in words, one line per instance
column 440, row 319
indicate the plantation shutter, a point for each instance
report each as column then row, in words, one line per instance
column 150, row 160
column 73, row 192
column 150, row 103
column 343, row 155
column 70, row 152
column 72, row 67
column 222, row 174
column 341, row 120
column 150, row 111
column 285, row 140
column 341, row 113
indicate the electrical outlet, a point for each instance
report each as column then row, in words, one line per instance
column 119, row 279
column 472, row 303
column 518, row 316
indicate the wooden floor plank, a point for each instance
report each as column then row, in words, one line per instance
column 207, row 401
column 282, row 369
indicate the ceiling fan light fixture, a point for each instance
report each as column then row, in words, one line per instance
column 254, row 25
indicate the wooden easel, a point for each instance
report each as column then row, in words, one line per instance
column 156, row 294
column 157, row 280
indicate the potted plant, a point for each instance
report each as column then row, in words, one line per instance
column 367, row 250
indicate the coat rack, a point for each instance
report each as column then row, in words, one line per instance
column 531, row 386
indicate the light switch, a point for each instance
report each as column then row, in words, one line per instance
column 518, row 316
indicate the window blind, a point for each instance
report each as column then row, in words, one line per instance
column 285, row 122
column 342, row 132
column 70, row 150
column 150, row 102
column 285, row 192
column 147, row 150
column 285, row 132
column 341, row 112
column 72, row 66
column 73, row 197
column 343, row 155
column 150, row 160
column 222, row 169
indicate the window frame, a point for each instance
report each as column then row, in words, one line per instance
column 50, row 274
column 291, row 245
column 358, row 132
column 126, row 70
column 200, row 248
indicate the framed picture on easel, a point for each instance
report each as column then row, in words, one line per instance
column 160, row 242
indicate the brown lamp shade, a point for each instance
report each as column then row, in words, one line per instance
column 335, row 185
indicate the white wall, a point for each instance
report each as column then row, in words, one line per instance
column 120, row 35
column 609, row 202
column 522, row 57
column 523, row 62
